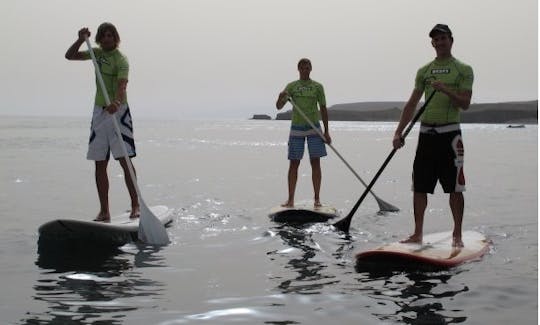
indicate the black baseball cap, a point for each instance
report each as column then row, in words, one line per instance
column 440, row 28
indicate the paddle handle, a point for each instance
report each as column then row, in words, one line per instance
column 115, row 122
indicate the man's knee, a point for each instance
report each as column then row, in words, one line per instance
column 456, row 196
column 294, row 164
column 101, row 165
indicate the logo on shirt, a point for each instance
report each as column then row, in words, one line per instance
column 103, row 60
column 303, row 91
column 440, row 71
column 303, row 88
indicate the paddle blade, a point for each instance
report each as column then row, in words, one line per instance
column 344, row 224
column 386, row 207
column 151, row 230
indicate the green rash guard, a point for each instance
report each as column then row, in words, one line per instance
column 306, row 94
column 456, row 75
column 113, row 66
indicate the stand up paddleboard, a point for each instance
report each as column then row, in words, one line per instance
column 120, row 231
column 302, row 213
column 436, row 252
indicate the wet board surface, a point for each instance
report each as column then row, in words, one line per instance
column 120, row 231
column 436, row 252
column 302, row 213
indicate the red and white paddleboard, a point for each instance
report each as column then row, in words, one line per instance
column 436, row 251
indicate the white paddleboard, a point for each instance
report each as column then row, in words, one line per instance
column 436, row 251
column 302, row 213
column 120, row 231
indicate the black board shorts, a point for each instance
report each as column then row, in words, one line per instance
column 439, row 157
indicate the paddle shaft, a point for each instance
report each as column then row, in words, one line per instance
column 345, row 223
column 337, row 153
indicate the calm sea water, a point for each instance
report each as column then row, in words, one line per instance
column 228, row 263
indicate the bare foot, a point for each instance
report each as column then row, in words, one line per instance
column 317, row 204
column 457, row 242
column 413, row 239
column 103, row 218
column 288, row 204
column 135, row 213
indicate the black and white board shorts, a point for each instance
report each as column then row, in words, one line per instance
column 439, row 157
column 103, row 138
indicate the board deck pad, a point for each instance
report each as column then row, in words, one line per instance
column 303, row 213
column 436, row 252
column 120, row 231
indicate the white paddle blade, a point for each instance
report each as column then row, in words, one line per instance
column 151, row 230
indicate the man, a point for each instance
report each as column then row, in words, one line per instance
column 439, row 155
column 309, row 96
column 114, row 68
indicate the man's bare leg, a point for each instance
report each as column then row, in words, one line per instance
column 457, row 203
column 292, row 178
column 316, row 177
column 135, row 210
column 102, row 184
column 419, row 204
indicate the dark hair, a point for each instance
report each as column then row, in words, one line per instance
column 304, row 61
column 107, row 27
column 440, row 28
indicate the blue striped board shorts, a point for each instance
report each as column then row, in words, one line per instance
column 103, row 138
column 297, row 138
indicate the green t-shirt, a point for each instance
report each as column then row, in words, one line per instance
column 113, row 66
column 456, row 75
column 306, row 94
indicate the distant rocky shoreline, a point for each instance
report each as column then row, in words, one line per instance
column 525, row 112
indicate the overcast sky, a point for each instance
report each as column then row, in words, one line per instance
column 230, row 58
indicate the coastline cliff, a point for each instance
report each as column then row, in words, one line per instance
column 524, row 112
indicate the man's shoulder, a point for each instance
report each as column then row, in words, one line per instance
column 292, row 83
column 317, row 84
column 121, row 59
column 115, row 54
column 425, row 67
column 314, row 82
column 120, row 54
column 461, row 64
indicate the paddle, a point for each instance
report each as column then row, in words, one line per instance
column 383, row 206
column 345, row 223
column 151, row 230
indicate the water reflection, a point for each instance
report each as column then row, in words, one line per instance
column 414, row 297
column 405, row 296
column 310, row 276
column 93, row 286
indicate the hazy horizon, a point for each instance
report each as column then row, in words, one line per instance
column 213, row 59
